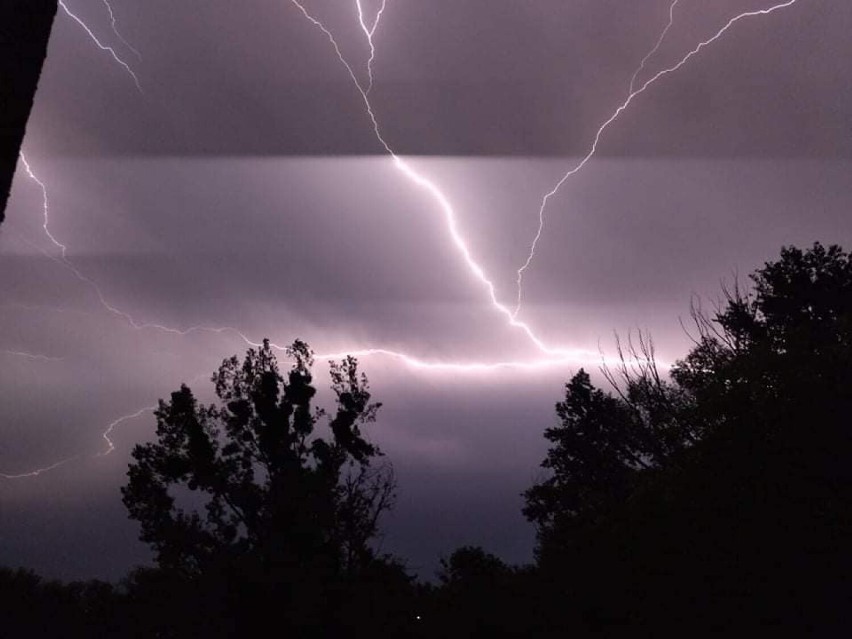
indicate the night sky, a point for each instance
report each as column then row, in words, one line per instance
column 244, row 187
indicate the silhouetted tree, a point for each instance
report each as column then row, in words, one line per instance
column 722, row 497
column 478, row 595
column 246, row 506
column 31, row 606
column 595, row 453
column 605, row 444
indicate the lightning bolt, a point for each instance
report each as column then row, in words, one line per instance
column 446, row 206
column 105, row 435
column 437, row 195
column 110, row 446
column 32, row 356
column 66, row 263
column 45, row 203
column 39, row 471
column 650, row 53
column 100, row 45
column 633, row 94
column 118, row 33
column 565, row 356
column 368, row 32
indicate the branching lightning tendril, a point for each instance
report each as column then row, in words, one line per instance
column 656, row 47
column 100, row 45
column 118, row 33
column 633, row 94
column 369, row 31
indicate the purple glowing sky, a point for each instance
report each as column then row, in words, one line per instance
column 245, row 188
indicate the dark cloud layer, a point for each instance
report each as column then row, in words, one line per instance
column 745, row 150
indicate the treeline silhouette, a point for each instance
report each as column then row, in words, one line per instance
column 715, row 498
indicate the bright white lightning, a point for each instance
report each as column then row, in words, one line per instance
column 100, row 45
column 118, row 33
column 576, row 356
column 369, row 31
column 45, row 206
column 563, row 357
column 559, row 356
column 443, row 202
column 636, row 92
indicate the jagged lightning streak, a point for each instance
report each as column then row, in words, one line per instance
column 563, row 357
column 650, row 53
column 105, row 435
column 100, row 45
column 369, row 31
column 441, row 199
column 39, row 471
column 633, row 94
column 118, row 33
column 45, row 206
column 64, row 261
column 110, row 447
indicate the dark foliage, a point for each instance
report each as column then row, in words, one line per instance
column 34, row 607
column 741, row 511
column 253, row 516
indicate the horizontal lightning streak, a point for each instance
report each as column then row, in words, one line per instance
column 32, row 356
column 39, row 471
column 633, row 94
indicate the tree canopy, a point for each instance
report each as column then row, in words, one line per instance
column 245, row 498
column 726, row 490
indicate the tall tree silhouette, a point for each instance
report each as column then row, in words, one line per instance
column 605, row 445
column 242, row 501
column 723, row 496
